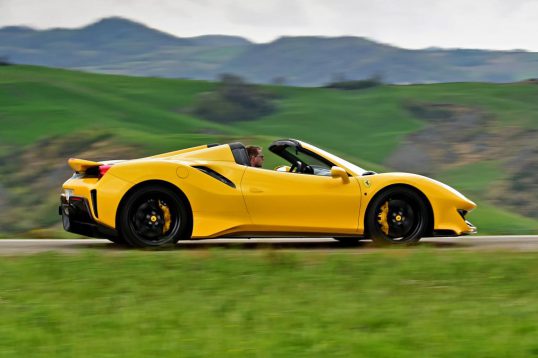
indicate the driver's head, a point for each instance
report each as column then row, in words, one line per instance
column 255, row 156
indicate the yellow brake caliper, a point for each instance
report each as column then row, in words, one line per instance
column 167, row 217
column 382, row 218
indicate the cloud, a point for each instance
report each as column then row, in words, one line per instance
column 272, row 14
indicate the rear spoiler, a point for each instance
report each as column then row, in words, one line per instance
column 81, row 165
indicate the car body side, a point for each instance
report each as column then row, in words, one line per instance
column 219, row 209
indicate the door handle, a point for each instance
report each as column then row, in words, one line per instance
column 256, row 190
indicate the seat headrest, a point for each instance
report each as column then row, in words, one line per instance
column 240, row 154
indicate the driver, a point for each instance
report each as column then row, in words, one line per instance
column 255, row 156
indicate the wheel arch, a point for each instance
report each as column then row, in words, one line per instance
column 423, row 196
column 157, row 182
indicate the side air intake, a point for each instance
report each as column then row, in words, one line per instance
column 215, row 175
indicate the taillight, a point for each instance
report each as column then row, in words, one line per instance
column 103, row 169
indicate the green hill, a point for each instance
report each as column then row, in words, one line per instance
column 48, row 115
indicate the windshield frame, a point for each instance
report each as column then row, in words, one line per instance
column 278, row 147
column 349, row 167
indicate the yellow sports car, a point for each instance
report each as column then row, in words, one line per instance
column 211, row 191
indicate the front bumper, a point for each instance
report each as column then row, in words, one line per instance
column 455, row 225
column 472, row 229
column 76, row 218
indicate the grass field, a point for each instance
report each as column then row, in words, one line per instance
column 36, row 102
column 401, row 302
column 362, row 126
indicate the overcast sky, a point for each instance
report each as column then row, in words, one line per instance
column 490, row 24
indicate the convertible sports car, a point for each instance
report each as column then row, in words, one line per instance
column 211, row 191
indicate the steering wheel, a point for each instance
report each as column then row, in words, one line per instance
column 297, row 167
column 301, row 167
column 307, row 169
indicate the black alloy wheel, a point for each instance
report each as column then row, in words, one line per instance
column 398, row 215
column 154, row 216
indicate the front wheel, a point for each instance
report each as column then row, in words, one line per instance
column 398, row 215
column 154, row 216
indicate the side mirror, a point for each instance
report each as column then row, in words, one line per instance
column 337, row 172
column 283, row 168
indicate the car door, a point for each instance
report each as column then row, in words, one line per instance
column 284, row 201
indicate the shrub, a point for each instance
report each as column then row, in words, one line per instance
column 4, row 61
column 234, row 100
column 356, row 84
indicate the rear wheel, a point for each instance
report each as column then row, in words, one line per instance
column 154, row 216
column 398, row 215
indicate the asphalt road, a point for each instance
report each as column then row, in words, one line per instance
column 509, row 243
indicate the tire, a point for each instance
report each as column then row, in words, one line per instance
column 154, row 216
column 398, row 215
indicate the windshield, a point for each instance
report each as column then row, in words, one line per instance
column 336, row 160
column 317, row 164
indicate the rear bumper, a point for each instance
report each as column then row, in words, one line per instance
column 76, row 218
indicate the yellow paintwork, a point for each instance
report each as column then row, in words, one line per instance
column 283, row 201
column 444, row 200
column 177, row 152
column 80, row 165
column 264, row 201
